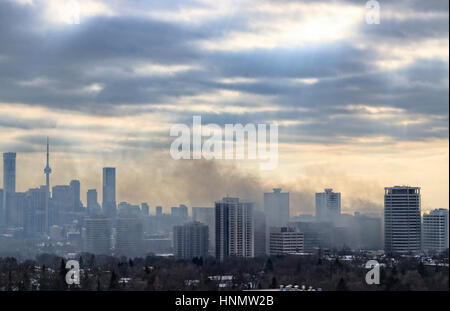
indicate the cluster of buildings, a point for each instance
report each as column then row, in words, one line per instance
column 231, row 228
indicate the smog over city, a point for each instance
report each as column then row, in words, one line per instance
column 224, row 152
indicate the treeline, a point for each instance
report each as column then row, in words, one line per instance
column 101, row 273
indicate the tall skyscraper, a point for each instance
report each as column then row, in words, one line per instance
column 109, row 192
column 47, row 169
column 92, row 198
column 64, row 200
column 328, row 205
column 36, row 214
column 17, row 204
column 285, row 240
column 191, row 240
column 98, row 235
column 205, row 215
column 276, row 208
column 52, row 214
column 9, row 185
column 234, row 228
column 402, row 220
column 435, row 230
column 9, row 172
column 75, row 188
column 92, row 206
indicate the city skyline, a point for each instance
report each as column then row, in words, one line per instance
column 166, row 207
column 359, row 106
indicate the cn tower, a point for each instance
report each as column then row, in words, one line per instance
column 47, row 170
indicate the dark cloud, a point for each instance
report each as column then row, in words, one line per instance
column 55, row 66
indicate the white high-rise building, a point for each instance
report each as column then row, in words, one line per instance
column 328, row 205
column 276, row 208
column 234, row 228
column 402, row 221
column 285, row 240
column 435, row 230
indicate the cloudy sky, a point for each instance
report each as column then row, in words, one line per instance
column 359, row 106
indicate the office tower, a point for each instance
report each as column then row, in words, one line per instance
column 75, row 188
column 98, row 235
column 92, row 198
column 129, row 234
column 205, row 215
column 328, row 205
column 260, row 233
column 285, row 240
column 402, row 221
column 9, row 172
column 276, row 208
column 109, row 192
column 435, row 230
column 191, row 240
column 234, row 228
column 93, row 208
column 62, row 203
column 9, row 185
column 145, row 209
column 47, row 169
column 158, row 211
column 17, row 204
column 35, row 214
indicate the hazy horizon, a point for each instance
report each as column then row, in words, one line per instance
column 360, row 107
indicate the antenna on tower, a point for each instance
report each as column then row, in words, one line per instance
column 47, row 169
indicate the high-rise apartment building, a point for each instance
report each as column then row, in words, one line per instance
column 191, row 240
column 205, row 215
column 328, row 205
column 98, row 235
column 435, row 230
column 234, row 228
column 402, row 220
column 276, row 208
column 260, row 233
column 129, row 232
